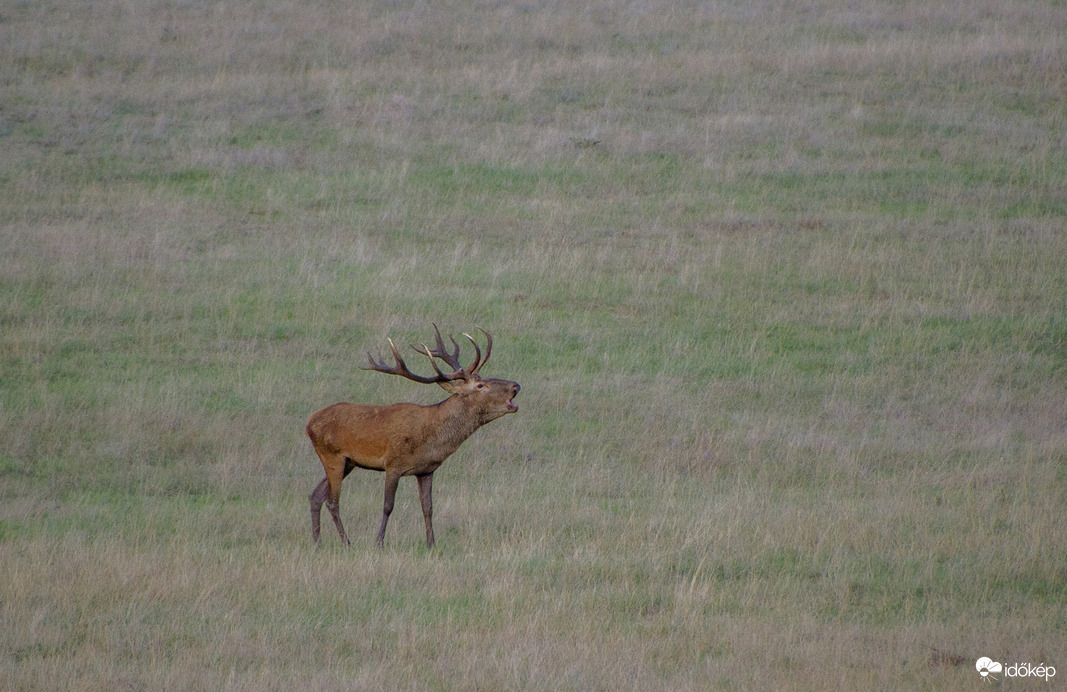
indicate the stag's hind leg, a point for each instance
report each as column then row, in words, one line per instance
column 333, row 496
column 336, row 467
column 317, row 497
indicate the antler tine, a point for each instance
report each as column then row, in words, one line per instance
column 379, row 362
column 429, row 354
column 452, row 358
column 488, row 348
column 372, row 364
column 473, row 367
column 478, row 360
column 396, row 355
column 400, row 368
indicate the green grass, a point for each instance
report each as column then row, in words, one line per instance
column 785, row 288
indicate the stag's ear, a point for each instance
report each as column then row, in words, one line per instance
column 463, row 386
column 453, row 386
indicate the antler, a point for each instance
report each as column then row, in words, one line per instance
column 401, row 368
column 488, row 349
column 441, row 352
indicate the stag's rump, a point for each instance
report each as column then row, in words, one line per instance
column 353, row 431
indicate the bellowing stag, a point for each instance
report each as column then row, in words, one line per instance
column 405, row 439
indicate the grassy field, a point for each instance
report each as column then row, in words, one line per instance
column 785, row 285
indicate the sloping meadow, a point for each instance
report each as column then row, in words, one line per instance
column 785, row 286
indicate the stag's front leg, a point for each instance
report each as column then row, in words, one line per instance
column 391, row 481
column 426, row 497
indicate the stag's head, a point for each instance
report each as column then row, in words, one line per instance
column 489, row 397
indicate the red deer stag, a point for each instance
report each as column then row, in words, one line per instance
column 405, row 439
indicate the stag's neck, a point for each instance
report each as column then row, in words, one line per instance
column 454, row 421
column 457, row 421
